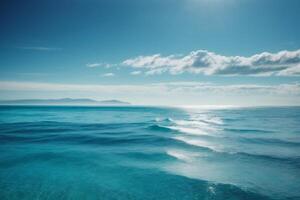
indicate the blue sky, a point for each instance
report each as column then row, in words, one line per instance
column 103, row 49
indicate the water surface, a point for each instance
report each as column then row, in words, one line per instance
column 149, row 153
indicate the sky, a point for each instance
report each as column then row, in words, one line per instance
column 156, row 52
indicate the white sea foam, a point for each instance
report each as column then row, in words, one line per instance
column 182, row 155
column 158, row 119
column 194, row 123
column 191, row 131
column 199, row 143
column 206, row 118
column 194, row 127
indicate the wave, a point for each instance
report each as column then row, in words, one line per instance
column 209, row 134
column 168, row 119
column 199, row 143
column 242, row 130
column 34, row 157
column 221, row 151
column 182, row 129
column 187, row 130
column 207, row 119
column 195, row 124
column 102, row 139
column 148, row 152
column 268, row 141
column 156, row 127
column 192, row 127
column 183, row 155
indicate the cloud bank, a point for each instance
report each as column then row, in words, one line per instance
column 170, row 87
column 283, row 63
column 170, row 93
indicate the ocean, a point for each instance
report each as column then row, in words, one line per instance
column 140, row 152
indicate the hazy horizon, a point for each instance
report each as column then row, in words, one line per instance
column 125, row 103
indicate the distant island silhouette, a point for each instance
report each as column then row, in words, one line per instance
column 63, row 101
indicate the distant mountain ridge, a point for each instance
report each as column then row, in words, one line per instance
column 63, row 101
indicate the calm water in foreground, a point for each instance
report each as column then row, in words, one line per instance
column 149, row 153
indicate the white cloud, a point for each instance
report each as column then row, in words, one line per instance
column 209, row 63
column 292, row 71
column 108, row 74
column 135, row 72
column 92, row 65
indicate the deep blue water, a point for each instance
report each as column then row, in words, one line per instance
column 149, row 153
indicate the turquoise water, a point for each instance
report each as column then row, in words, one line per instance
column 149, row 153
